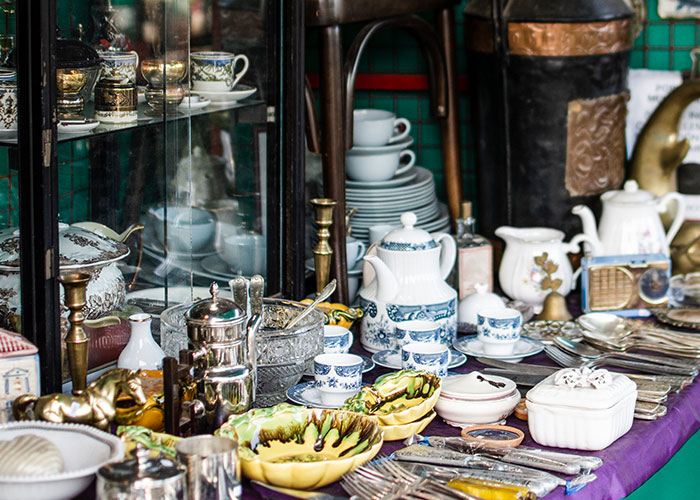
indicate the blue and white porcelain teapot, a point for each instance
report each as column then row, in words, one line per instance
column 410, row 267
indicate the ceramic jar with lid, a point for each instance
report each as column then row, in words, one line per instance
column 116, row 100
column 407, row 282
column 141, row 478
column 79, row 249
column 581, row 409
column 480, row 300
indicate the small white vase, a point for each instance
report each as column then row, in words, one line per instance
column 142, row 351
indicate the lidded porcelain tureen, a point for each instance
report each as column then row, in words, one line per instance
column 410, row 267
column 79, row 248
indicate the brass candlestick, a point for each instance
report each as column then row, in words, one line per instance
column 323, row 251
column 75, row 285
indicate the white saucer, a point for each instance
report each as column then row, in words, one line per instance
column 368, row 366
column 525, row 347
column 389, row 148
column 306, row 394
column 355, row 271
column 238, row 93
column 399, row 180
column 72, row 127
column 188, row 103
column 392, row 359
column 158, row 251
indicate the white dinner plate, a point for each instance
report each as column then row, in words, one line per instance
column 398, row 180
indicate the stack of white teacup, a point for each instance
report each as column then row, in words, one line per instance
column 379, row 146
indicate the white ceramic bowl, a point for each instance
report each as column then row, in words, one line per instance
column 462, row 405
column 84, row 449
column 189, row 228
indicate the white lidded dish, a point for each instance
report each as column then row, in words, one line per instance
column 581, row 418
column 474, row 399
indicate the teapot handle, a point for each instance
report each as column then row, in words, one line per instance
column 448, row 254
column 680, row 213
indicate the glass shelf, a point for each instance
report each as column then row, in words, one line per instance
column 145, row 119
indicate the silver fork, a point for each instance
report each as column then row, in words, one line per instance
column 570, row 360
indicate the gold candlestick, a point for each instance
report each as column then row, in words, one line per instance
column 323, row 251
column 75, row 285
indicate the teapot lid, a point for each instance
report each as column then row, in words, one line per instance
column 214, row 312
column 408, row 238
column 630, row 194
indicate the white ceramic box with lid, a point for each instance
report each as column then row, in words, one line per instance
column 581, row 409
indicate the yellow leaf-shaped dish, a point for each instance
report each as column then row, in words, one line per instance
column 337, row 314
column 302, row 448
column 399, row 432
column 398, row 397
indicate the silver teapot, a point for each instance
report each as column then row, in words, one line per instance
column 222, row 353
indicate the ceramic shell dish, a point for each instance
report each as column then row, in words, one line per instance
column 397, row 398
column 302, row 448
column 96, row 448
column 476, row 399
column 403, row 431
column 580, row 418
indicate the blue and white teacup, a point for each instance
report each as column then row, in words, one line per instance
column 431, row 357
column 336, row 339
column 216, row 71
column 499, row 330
column 338, row 376
column 416, row 331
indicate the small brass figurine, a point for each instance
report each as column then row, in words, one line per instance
column 97, row 406
column 75, row 285
column 323, row 251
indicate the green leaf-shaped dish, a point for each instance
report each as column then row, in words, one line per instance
column 302, row 448
column 397, row 398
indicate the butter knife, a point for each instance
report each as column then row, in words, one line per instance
column 257, row 287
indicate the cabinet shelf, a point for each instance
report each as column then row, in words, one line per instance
column 249, row 110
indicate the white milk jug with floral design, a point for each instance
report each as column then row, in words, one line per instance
column 409, row 266
column 534, row 263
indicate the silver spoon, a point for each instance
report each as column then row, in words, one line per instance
column 325, row 293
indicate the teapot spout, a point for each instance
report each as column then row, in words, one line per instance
column 590, row 229
column 387, row 285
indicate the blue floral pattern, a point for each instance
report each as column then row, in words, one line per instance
column 368, row 307
column 408, row 247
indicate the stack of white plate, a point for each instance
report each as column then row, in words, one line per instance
column 383, row 202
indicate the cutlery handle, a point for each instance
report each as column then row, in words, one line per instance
column 650, row 367
column 661, row 360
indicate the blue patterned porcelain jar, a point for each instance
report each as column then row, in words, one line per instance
column 406, row 281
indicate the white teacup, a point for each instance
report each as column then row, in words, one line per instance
column 430, row 357
column 499, row 329
column 336, row 339
column 378, row 231
column 338, row 376
column 377, row 127
column 116, row 64
column 246, row 253
column 354, row 251
column 377, row 164
column 216, row 71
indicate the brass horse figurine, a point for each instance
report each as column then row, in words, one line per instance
column 97, row 406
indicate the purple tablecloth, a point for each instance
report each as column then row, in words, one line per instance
column 628, row 462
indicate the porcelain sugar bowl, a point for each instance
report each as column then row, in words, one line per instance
column 79, row 248
column 406, row 281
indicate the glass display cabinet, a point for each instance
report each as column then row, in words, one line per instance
column 117, row 168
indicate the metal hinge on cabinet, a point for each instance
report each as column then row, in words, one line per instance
column 49, row 268
column 46, row 136
column 271, row 114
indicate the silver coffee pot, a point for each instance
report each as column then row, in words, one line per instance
column 222, row 354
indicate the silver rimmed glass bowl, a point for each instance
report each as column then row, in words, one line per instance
column 283, row 354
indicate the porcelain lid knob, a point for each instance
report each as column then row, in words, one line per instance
column 408, row 220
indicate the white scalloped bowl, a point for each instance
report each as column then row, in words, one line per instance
column 85, row 449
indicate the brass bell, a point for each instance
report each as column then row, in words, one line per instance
column 554, row 308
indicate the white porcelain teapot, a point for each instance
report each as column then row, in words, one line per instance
column 409, row 267
column 630, row 223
